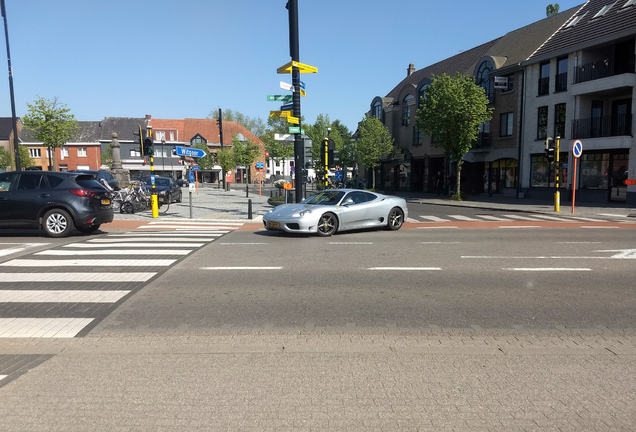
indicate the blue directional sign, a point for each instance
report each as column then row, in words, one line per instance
column 196, row 168
column 188, row 151
column 260, row 165
column 191, row 176
column 287, row 107
column 577, row 148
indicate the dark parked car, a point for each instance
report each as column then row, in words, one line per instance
column 165, row 187
column 55, row 202
column 102, row 175
column 182, row 182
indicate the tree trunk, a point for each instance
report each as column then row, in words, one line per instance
column 459, row 174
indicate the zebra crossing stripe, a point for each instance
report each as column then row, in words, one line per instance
column 133, row 245
column 77, row 277
column 434, row 218
column 202, row 223
column 42, row 327
column 141, row 237
column 522, row 218
column 164, row 234
column 89, row 263
column 208, row 228
column 494, row 218
column 54, row 252
column 61, row 296
column 463, row 218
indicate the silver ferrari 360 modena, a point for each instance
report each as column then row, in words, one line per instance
column 335, row 210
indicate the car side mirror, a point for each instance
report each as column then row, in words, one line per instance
column 347, row 202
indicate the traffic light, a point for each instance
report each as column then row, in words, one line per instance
column 549, row 149
column 331, row 152
column 308, row 156
column 147, row 146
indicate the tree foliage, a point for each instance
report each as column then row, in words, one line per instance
column 552, row 9
column 206, row 162
column 374, row 142
column 255, row 125
column 51, row 122
column 451, row 113
column 225, row 158
column 7, row 158
column 245, row 151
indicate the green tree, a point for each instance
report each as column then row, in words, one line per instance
column 7, row 158
column 208, row 161
column 374, row 142
column 552, row 9
column 255, row 125
column 277, row 150
column 451, row 113
column 51, row 123
column 245, row 152
column 225, row 159
column 107, row 157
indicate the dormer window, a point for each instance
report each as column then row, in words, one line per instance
column 198, row 139
column 574, row 21
column 603, row 11
column 629, row 3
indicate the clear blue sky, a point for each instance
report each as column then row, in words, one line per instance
column 186, row 58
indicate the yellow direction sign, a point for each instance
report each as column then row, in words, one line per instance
column 293, row 120
column 303, row 68
column 280, row 113
column 303, row 93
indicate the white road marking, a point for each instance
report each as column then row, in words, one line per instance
column 3, row 377
column 133, row 245
column 599, row 227
column 494, row 218
column 198, row 222
column 192, row 228
column 406, row 268
column 42, row 327
column 533, row 257
column 585, row 219
column 554, row 218
column 243, row 243
column 464, row 218
column 622, row 253
column 163, row 234
column 17, row 249
column 434, row 218
column 142, row 238
column 548, row 269
column 613, row 215
column 577, row 242
column 241, row 268
column 89, row 263
column 437, row 227
column 523, row 218
column 77, row 277
column 60, row 296
column 351, row 243
column 54, row 252
column 412, row 220
column 439, row 242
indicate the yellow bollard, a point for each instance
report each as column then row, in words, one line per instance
column 155, row 206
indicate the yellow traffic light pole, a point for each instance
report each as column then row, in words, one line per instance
column 557, row 196
column 153, row 198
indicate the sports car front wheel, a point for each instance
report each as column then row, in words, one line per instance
column 327, row 225
column 395, row 219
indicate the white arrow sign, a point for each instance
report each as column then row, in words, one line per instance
column 283, row 137
column 622, row 253
column 286, row 86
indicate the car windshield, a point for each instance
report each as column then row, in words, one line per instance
column 325, row 198
column 158, row 181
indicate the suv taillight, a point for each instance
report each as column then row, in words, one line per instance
column 82, row 192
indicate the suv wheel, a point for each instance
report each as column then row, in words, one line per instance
column 57, row 223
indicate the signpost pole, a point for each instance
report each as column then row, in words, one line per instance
column 577, row 150
column 574, row 182
column 557, row 195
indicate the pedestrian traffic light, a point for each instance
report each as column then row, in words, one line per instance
column 549, row 149
column 147, row 146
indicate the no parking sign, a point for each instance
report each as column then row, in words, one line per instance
column 577, row 151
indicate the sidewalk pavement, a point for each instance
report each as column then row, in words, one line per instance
column 213, row 204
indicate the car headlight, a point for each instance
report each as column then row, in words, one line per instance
column 301, row 213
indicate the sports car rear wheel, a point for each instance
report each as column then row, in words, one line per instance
column 395, row 219
column 327, row 225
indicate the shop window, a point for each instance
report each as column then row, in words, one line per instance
column 542, row 173
column 593, row 170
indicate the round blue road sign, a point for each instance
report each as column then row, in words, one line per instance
column 191, row 177
column 577, row 148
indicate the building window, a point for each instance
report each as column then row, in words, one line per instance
column 544, row 78
column 171, row 136
column 543, row 174
column 603, row 11
column 421, row 94
column 542, row 123
column 81, row 152
column 377, row 110
column 594, row 169
column 561, row 81
column 50, row 153
column 160, row 136
column 418, row 135
column 35, row 153
column 135, row 153
column 505, row 127
column 629, row 3
column 406, row 109
column 575, row 20
column 559, row 121
column 483, row 139
column 483, row 79
column 64, row 151
column 198, row 139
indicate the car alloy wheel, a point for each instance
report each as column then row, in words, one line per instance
column 395, row 219
column 57, row 223
column 327, row 225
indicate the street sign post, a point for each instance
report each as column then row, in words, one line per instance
column 279, row 98
column 577, row 150
column 189, row 151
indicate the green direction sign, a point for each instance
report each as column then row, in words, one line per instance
column 296, row 129
column 282, row 98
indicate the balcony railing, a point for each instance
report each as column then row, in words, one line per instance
column 544, row 86
column 593, row 71
column 600, row 127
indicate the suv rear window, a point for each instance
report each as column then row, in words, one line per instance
column 88, row 181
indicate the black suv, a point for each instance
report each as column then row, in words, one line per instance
column 102, row 175
column 55, row 202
